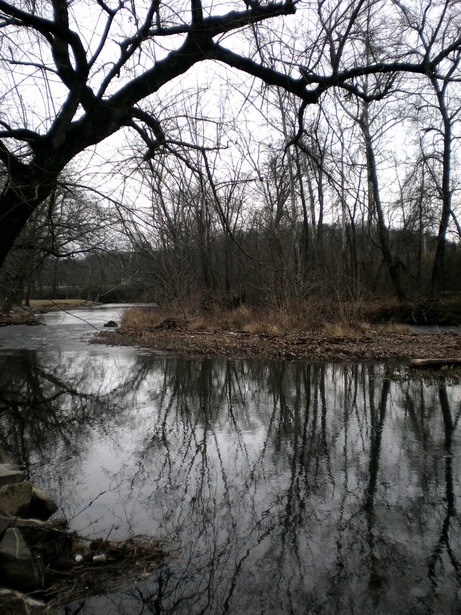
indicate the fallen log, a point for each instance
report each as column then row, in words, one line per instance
column 435, row 362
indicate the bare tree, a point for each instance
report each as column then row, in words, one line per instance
column 89, row 86
column 67, row 225
column 92, row 89
column 433, row 28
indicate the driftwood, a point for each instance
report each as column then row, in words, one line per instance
column 435, row 362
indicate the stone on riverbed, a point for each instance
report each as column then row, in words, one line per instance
column 15, row 499
column 35, row 531
column 5, row 522
column 10, row 474
column 24, row 500
column 41, row 506
column 18, row 566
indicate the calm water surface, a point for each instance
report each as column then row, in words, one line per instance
column 278, row 488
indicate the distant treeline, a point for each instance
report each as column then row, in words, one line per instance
column 259, row 268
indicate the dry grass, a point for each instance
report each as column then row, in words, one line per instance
column 346, row 328
column 309, row 316
column 48, row 305
column 141, row 318
column 395, row 327
column 242, row 318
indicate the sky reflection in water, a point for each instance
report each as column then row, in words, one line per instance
column 279, row 487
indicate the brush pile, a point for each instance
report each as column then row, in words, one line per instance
column 74, row 569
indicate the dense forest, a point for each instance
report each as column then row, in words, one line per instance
column 345, row 266
column 301, row 149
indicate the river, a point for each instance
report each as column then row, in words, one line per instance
column 276, row 487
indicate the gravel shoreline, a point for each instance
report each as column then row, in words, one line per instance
column 313, row 347
column 373, row 344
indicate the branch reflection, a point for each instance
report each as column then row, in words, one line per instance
column 278, row 487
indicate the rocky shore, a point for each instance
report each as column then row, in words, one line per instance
column 24, row 514
column 41, row 558
column 374, row 344
column 23, row 315
column 19, row 316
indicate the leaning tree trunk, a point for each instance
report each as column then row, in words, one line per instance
column 17, row 203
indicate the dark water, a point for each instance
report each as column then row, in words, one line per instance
column 279, row 488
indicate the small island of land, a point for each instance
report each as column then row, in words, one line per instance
column 265, row 334
column 360, row 333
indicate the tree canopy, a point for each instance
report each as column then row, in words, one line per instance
column 75, row 73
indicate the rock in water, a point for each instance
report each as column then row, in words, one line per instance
column 18, row 567
column 15, row 603
column 41, row 506
column 15, row 499
column 10, row 474
column 5, row 522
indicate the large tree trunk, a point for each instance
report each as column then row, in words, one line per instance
column 17, row 203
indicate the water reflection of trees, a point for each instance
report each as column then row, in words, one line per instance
column 48, row 406
column 301, row 487
column 447, row 549
column 54, row 403
column 283, row 487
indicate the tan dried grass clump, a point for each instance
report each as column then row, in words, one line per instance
column 243, row 318
column 315, row 315
column 259, row 320
column 395, row 327
column 346, row 329
column 141, row 318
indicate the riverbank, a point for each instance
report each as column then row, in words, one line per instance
column 19, row 316
column 25, row 315
column 246, row 334
column 43, row 563
column 264, row 334
column 374, row 343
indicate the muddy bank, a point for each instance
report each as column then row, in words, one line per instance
column 18, row 316
column 26, row 315
column 375, row 344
